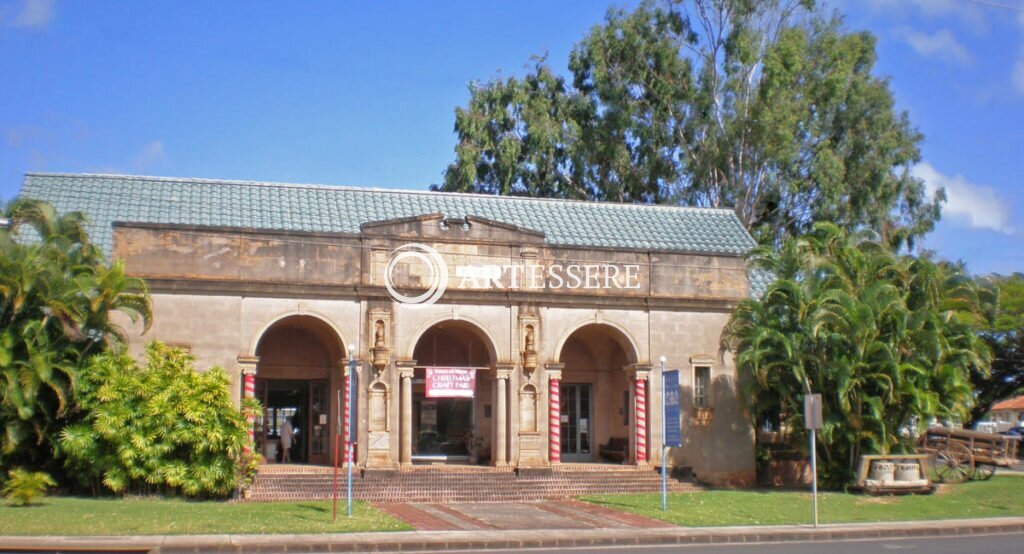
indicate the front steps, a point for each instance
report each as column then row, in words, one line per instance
column 447, row 483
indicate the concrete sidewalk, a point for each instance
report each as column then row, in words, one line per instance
column 411, row 541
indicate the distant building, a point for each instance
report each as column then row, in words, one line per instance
column 501, row 330
column 1008, row 413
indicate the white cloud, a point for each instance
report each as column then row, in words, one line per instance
column 977, row 206
column 152, row 154
column 942, row 45
column 34, row 14
column 964, row 12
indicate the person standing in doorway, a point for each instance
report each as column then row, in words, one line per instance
column 287, row 433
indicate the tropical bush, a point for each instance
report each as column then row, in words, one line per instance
column 56, row 297
column 23, row 486
column 886, row 339
column 159, row 428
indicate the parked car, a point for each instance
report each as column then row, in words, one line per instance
column 1017, row 431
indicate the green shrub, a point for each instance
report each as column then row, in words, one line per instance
column 23, row 486
column 162, row 428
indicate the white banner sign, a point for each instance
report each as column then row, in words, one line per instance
column 450, row 382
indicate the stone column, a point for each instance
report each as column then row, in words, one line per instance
column 502, row 375
column 405, row 372
column 346, row 399
column 248, row 366
column 555, row 412
column 641, row 421
column 640, row 374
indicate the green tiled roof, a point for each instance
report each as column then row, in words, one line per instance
column 108, row 198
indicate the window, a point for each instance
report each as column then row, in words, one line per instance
column 701, row 382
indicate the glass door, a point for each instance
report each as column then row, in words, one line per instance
column 319, row 422
column 576, row 422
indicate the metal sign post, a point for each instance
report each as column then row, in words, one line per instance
column 338, row 433
column 812, row 422
column 671, row 434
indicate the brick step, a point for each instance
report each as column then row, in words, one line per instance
column 464, row 484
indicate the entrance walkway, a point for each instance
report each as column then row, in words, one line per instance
column 478, row 516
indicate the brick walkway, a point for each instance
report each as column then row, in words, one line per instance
column 559, row 514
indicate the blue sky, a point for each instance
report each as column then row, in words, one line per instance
column 363, row 93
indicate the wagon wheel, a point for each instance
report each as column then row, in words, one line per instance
column 953, row 463
column 983, row 472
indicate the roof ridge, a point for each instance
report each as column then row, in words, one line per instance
column 351, row 188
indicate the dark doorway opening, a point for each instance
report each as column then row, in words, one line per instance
column 451, row 428
column 302, row 402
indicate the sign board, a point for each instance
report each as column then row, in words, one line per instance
column 812, row 411
column 450, row 382
column 670, row 394
column 353, row 420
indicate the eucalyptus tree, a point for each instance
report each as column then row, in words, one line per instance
column 886, row 339
column 56, row 298
column 768, row 107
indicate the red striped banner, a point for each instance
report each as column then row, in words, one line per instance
column 641, row 420
column 555, row 423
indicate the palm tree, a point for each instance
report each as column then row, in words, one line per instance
column 56, row 297
column 884, row 338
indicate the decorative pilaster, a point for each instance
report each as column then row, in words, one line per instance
column 641, row 421
column 248, row 366
column 555, row 412
column 405, row 373
column 502, row 374
column 640, row 375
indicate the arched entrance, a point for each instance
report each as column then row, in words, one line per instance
column 295, row 380
column 450, row 418
column 594, row 357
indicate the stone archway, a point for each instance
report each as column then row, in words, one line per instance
column 598, row 368
column 296, row 380
column 448, row 427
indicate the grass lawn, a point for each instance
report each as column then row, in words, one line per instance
column 93, row 516
column 1003, row 495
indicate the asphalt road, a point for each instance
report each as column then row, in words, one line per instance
column 987, row 544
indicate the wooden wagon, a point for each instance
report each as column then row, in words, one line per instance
column 956, row 455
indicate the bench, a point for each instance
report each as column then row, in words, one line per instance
column 617, row 450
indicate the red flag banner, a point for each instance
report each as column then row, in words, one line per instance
column 450, row 382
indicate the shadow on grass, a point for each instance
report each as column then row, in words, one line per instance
column 312, row 507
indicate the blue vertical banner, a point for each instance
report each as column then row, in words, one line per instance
column 670, row 396
column 353, row 420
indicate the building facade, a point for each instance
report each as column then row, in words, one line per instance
column 494, row 330
column 1007, row 414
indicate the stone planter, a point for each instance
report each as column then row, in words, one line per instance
column 883, row 471
column 908, row 471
